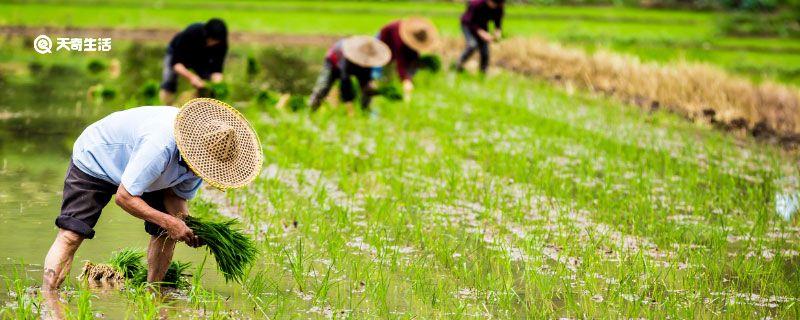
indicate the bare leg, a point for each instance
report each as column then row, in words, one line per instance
column 59, row 259
column 159, row 256
column 56, row 268
column 53, row 309
column 166, row 97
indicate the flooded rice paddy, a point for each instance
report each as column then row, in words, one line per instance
column 481, row 198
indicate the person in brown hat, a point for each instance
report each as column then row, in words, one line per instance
column 152, row 159
column 353, row 56
column 408, row 38
column 475, row 26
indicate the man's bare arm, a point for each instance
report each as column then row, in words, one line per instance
column 194, row 79
column 137, row 207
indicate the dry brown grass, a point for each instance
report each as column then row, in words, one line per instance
column 698, row 91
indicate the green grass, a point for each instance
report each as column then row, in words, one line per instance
column 660, row 35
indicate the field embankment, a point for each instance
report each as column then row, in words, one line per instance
column 700, row 92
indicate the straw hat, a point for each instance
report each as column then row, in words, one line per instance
column 217, row 143
column 366, row 51
column 418, row 33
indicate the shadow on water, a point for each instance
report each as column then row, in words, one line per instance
column 45, row 103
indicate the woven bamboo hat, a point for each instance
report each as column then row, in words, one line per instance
column 218, row 143
column 419, row 33
column 366, row 51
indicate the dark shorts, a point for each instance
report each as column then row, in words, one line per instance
column 86, row 196
column 169, row 79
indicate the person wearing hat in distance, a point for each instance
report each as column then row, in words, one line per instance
column 152, row 159
column 353, row 56
column 407, row 38
column 197, row 54
column 475, row 26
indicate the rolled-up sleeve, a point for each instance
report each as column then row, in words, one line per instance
column 188, row 188
column 145, row 166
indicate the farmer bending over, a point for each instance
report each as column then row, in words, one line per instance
column 153, row 159
column 353, row 56
column 197, row 54
column 407, row 39
column 475, row 26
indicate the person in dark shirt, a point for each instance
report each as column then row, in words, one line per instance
column 353, row 56
column 197, row 54
column 407, row 39
column 475, row 25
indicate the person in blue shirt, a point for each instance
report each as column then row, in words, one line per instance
column 152, row 160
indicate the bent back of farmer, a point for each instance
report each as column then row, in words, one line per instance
column 475, row 26
column 152, row 159
column 196, row 54
column 408, row 39
column 350, row 57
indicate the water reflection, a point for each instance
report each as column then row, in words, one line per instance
column 786, row 205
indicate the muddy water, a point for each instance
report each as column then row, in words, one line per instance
column 44, row 106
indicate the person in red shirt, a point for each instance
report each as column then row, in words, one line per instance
column 475, row 25
column 353, row 56
column 407, row 38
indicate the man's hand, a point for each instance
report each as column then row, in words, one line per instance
column 179, row 231
column 408, row 87
column 175, row 227
column 485, row 35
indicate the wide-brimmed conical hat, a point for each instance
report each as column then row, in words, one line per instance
column 419, row 34
column 366, row 51
column 218, row 143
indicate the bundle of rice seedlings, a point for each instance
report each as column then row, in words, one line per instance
column 389, row 91
column 430, row 62
column 128, row 262
column 176, row 276
column 99, row 273
column 216, row 90
column 232, row 250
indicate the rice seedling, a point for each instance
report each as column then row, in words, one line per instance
column 24, row 305
column 390, row 91
column 127, row 265
column 232, row 249
column 699, row 92
column 430, row 62
column 128, row 262
column 83, row 309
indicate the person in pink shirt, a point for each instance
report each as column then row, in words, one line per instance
column 408, row 39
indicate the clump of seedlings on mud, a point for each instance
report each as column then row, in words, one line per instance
column 127, row 266
column 231, row 248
